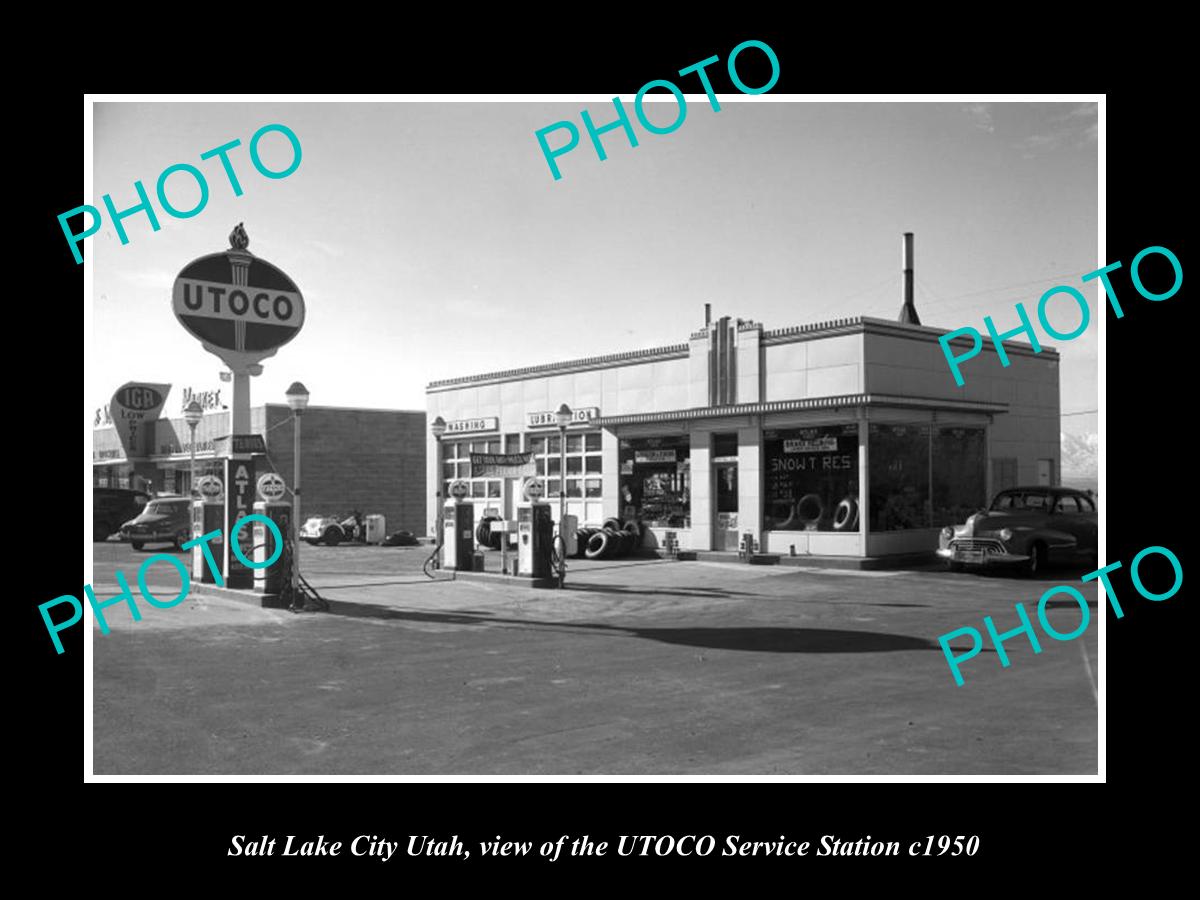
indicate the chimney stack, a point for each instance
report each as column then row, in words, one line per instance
column 908, row 312
column 707, row 314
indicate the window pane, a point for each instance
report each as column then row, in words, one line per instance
column 574, row 443
column 592, row 441
column 573, row 487
column 594, row 464
column 1067, row 505
column 512, row 443
column 493, row 489
column 464, row 469
column 725, row 444
column 554, row 444
column 574, row 465
column 655, row 485
column 592, row 487
column 537, row 445
column 477, row 488
column 448, row 471
column 493, row 446
column 552, row 487
column 899, row 477
column 554, row 465
column 811, row 479
column 959, row 473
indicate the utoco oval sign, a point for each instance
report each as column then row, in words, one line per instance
column 271, row 487
column 236, row 301
column 459, row 489
column 210, row 487
column 534, row 490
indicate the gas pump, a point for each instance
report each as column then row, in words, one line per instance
column 207, row 515
column 270, row 579
column 458, row 523
column 535, row 534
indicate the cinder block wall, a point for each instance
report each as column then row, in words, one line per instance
column 365, row 459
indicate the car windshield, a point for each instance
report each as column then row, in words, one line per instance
column 1036, row 500
column 162, row 508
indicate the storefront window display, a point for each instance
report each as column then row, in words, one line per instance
column 903, row 460
column 811, row 479
column 959, row 473
column 899, row 477
column 656, row 481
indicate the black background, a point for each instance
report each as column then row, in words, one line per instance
column 1149, row 492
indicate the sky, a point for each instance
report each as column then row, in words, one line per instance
column 430, row 240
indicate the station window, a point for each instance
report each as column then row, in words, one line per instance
column 583, row 456
column 456, row 464
column 899, row 477
column 656, row 481
column 810, row 479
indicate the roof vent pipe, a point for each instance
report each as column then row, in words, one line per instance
column 908, row 312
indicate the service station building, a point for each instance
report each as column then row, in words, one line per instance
column 842, row 438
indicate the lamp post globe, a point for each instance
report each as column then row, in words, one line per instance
column 192, row 414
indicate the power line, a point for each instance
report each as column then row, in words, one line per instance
column 1081, row 412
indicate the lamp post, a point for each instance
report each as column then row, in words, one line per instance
column 438, row 428
column 297, row 399
column 563, row 418
column 192, row 414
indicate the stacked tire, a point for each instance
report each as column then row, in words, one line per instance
column 484, row 536
column 612, row 541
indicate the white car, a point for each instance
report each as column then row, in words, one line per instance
column 328, row 530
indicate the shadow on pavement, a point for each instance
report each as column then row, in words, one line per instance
column 753, row 639
column 712, row 593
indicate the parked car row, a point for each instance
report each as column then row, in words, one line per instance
column 1025, row 528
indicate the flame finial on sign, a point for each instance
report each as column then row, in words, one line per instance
column 238, row 239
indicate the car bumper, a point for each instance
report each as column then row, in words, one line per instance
column 147, row 537
column 989, row 558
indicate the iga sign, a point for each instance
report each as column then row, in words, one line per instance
column 134, row 406
column 240, row 307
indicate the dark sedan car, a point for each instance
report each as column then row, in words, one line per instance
column 165, row 520
column 1025, row 527
column 112, row 506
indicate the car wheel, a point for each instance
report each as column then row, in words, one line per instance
column 1037, row 560
column 137, row 545
column 332, row 537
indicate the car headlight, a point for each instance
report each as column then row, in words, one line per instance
column 948, row 532
column 1006, row 534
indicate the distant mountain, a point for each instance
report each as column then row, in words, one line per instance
column 1079, row 461
column 1079, row 454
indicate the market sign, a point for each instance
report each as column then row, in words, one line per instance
column 654, row 456
column 816, row 445
column 239, row 306
column 133, row 407
column 546, row 419
column 503, row 465
column 467, row 426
